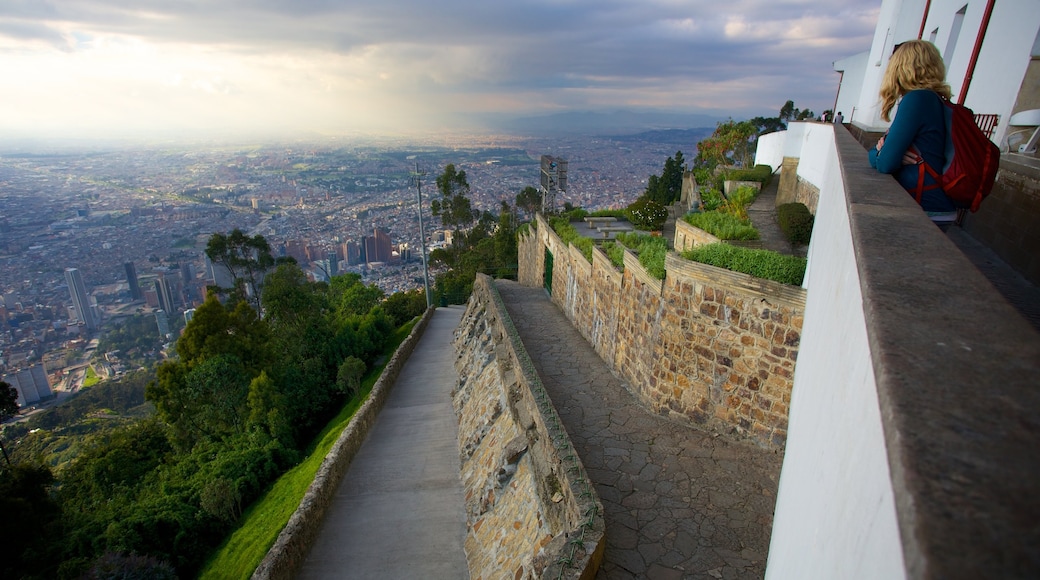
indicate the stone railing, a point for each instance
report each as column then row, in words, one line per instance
column 531, row 510
column 286, row 556
column 913, row 437
column 705, row 344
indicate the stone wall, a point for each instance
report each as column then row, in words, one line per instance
column 285, row 557
column 794, row 188
column 688, row 237
column 531, row 511
column 706, row 344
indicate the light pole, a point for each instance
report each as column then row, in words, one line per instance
column 418, row 175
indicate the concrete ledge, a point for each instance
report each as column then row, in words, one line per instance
column 957, row 374
column 285, row 557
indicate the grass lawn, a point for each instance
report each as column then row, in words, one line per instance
column 246, row 547
column 91, row 379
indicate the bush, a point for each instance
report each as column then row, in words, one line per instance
column 760, row 173
column 616, row 253
column 647, row 214
column 796, row 222
column 569, row 235
column 614, row 213
column 651, row 251
column 759, row 263
column 574, row 214
column 722, row 225
column 711, row 199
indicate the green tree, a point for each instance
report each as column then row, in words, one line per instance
column 731, row 142
column 30, row 536
column 529, row 200
column 8, row 409
column 247, row 260
column 349, row 376
column 454, row 207
column 667, row 188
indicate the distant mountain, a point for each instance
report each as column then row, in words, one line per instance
column 683, row 137
column 604, row 123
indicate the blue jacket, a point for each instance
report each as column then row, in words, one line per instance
column 921, row 121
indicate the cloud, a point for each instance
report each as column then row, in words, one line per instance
column 332, row 65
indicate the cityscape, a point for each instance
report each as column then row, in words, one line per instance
column 91, row 237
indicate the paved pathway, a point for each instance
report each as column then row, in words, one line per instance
column 680, row 502
column 399, row 511
column 762, row 213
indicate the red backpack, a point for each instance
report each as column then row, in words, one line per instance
column 971, row 161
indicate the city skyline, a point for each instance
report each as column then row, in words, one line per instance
column 297, row 69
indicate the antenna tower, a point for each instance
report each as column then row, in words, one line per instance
column 417, row 180
column 554, row 179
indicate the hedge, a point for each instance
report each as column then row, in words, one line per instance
column 759, row 263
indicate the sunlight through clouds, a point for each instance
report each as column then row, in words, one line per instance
column 92, row 66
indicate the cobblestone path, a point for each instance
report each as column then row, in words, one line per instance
column 680, row 502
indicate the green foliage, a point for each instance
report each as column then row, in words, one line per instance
column 574, row 214
column 246, row 259
column 760, row 173
column 732, row 142
column 569, row 235
column 454, row 207
column 759, row 263
column 614, row 213
column 722, row 225
column 647, row 214
column 651, row 251
column 404, row 306
column 31, row 518
column 136, row 334
column 711, row 199
column 243, row 550
column 91, row 378
column 667, row 188
column 616, row 253
column 529, row 200
column 795, row 221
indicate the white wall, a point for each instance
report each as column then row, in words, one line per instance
column 835, row 514
column 854, row 68
column 770, row 150
column 999, row 70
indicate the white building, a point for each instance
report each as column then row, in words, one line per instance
column 991, row 50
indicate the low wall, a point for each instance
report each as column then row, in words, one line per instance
column 286, row 556
column 531, row 510
column 706, row 344
column 688, row 237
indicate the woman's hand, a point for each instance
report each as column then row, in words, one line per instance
column 910, row 156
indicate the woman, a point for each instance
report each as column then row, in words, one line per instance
column 916, row 78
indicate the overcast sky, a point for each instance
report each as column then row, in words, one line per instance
column 90, row 67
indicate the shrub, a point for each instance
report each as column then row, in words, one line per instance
column 760, row 173
column 722, row 225
column 616, row 253
column 651, row 251
column 647, row 214
column 614, row 213
column 759, row 263
column 796, row 222
column 711, row 199
column 574, row 215
column 569, row 235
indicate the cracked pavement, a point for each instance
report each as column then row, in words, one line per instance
column 681, row 501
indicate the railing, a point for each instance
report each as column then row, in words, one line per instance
column 987, row 122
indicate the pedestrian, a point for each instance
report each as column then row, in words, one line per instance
column 916, row 80
column 839, row 118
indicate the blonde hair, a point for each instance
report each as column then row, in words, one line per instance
column 915, row 64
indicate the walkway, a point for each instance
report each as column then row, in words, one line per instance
column 680, row 502
column 399, row 511
column 762, row 213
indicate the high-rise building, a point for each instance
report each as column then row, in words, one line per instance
column 131, row 281
column 163, row 322
column 80, row 300
column 378, row 248
column 352, row 253
column 165, row 291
